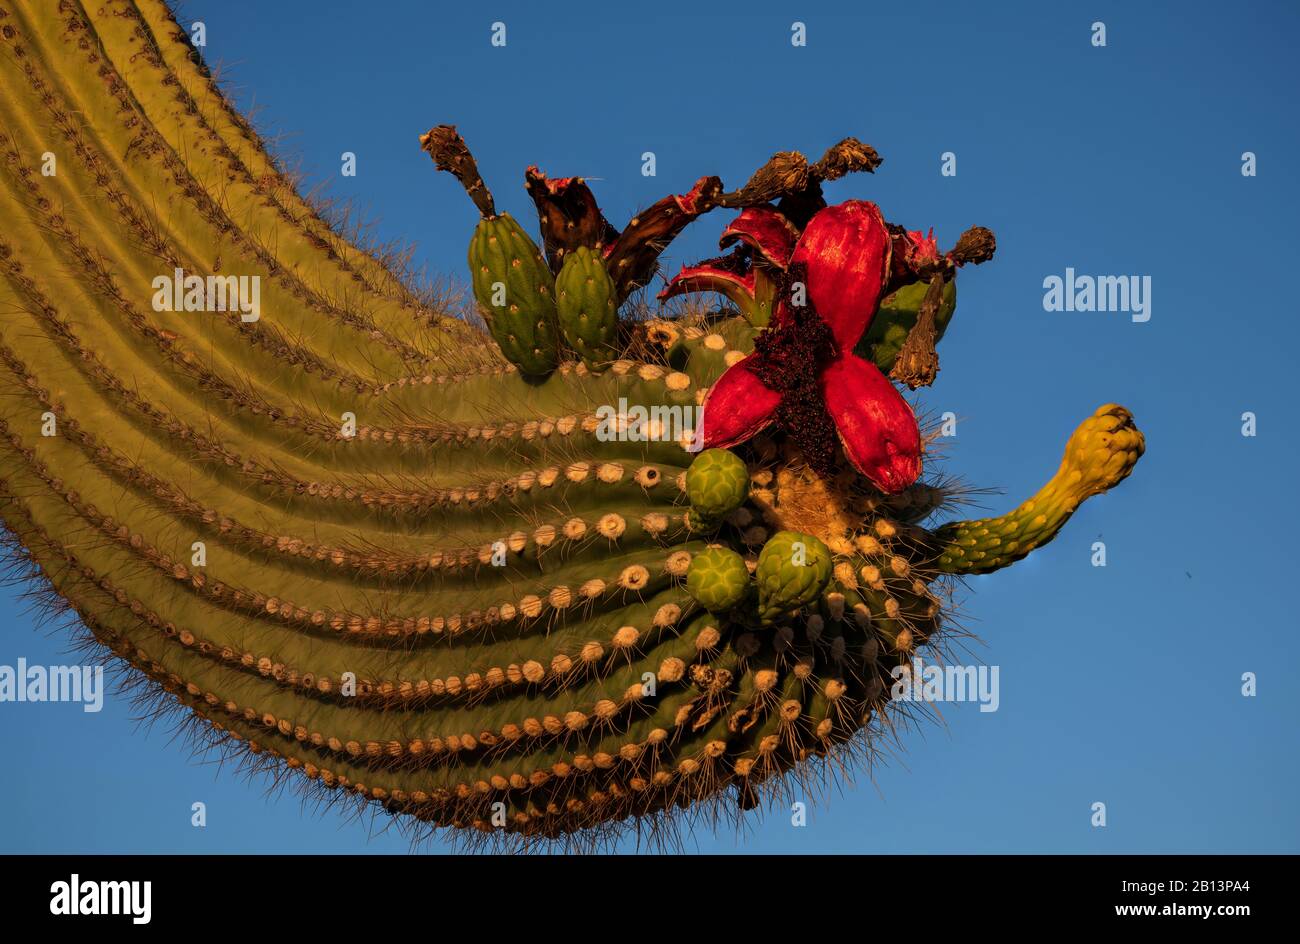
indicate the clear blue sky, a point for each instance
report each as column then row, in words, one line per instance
column 1119, row 684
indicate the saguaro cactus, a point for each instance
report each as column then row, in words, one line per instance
column 360, row 539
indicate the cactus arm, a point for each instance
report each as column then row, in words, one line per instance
column 494, row 576
column 1099, row 455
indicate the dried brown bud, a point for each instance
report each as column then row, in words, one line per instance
column 976, row 245
column 917, row 363
column 450, row 153
column 785, row 173
column 848, row 157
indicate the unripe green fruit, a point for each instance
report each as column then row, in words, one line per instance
column 585, row 303
column 717, row 483
column 793, row 570
column 718, row 579
column 897, row 314
column 516, row 294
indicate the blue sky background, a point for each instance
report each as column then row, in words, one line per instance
column 1118, row 684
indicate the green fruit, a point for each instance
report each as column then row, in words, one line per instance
column 718, row 579
column 516, row 294
column 889, row 328
column 588, row 312
column 793, row 570
column 717, row 483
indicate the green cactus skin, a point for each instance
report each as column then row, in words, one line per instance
column 718, row 579
column 585, row 303
column 496, row 579
column 717, row 483
column 888, row 329
column 516, row 294
column 793, row 570
column 759, row 314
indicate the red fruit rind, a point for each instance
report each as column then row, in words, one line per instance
column 912, row 253
column 568, row 214
column 846, row 249
column 876, row 425
column 737, row 407
column 631, row 260
column 764, row 230
column 736, row 286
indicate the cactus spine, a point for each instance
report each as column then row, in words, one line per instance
column 360, row 540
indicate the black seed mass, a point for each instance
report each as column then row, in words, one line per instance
column 788, row 358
